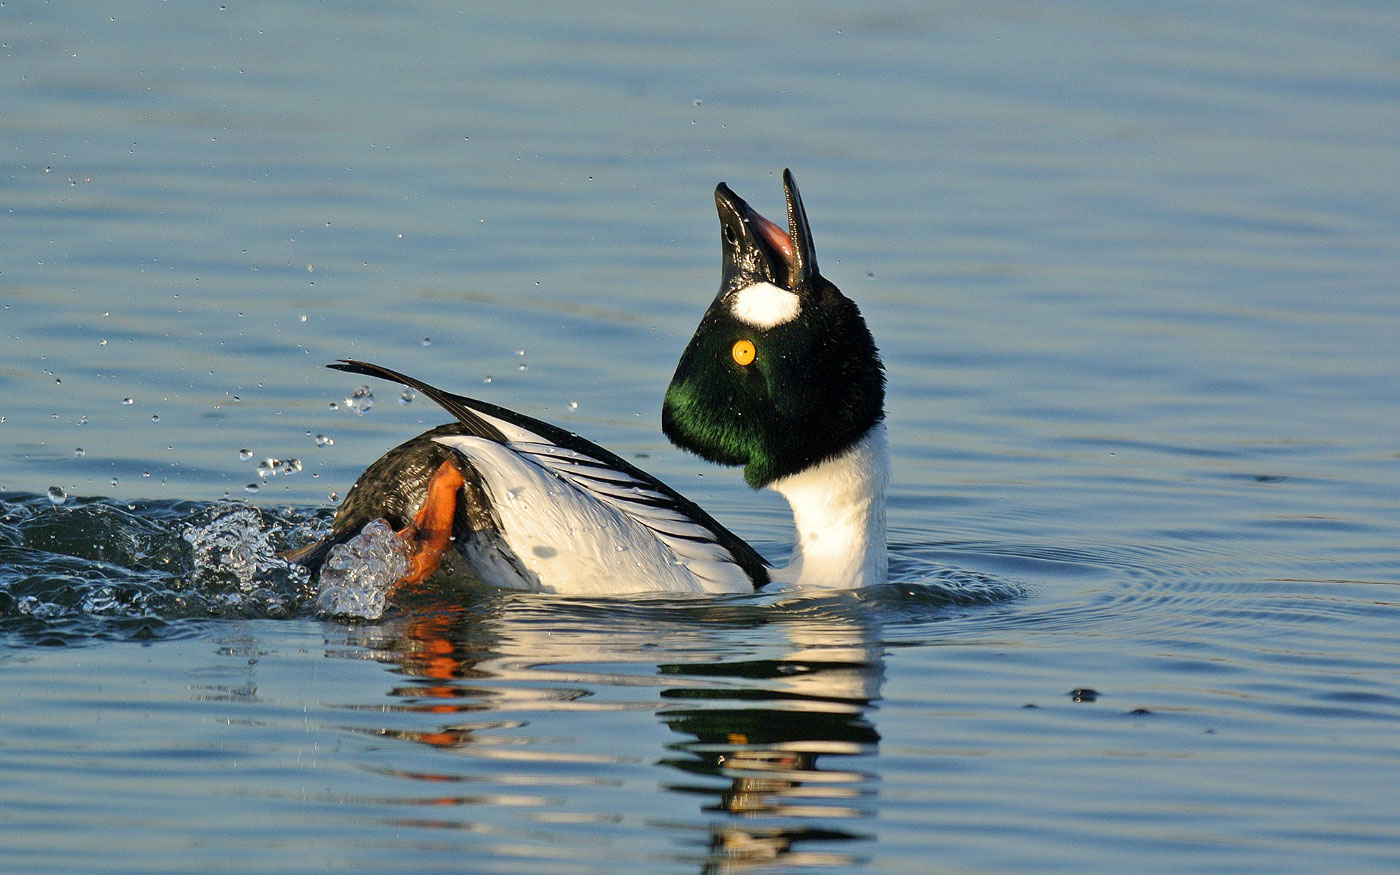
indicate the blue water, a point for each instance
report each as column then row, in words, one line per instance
column 1133, row 271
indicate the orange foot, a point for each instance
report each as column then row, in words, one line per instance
column 430, row 533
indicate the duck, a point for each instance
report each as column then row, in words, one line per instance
column 781, row 377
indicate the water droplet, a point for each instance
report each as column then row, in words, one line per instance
column 524, row 367
column 155, row 417
column 79, row 453
column 407, row 396
column 573, row 405
column 58, row 381
column 301, row 318
column 361, row 401
column 488, row 378
column 57, row 495
column 103, row 342
column 114, row 483
column 245, row 455
column 128, row 401
column 251, row 487
column 335, row 406
column 520, row 352
column 324, row 441
column 334, row 496
column 427, row 341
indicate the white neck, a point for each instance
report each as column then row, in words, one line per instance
column 839, row 509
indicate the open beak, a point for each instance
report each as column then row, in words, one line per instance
column 757, row 250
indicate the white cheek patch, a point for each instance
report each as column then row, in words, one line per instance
column 764, row 305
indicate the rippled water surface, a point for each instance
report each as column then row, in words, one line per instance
column 1133, row 270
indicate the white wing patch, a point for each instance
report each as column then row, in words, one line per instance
column 764, row 305
column 579, row 527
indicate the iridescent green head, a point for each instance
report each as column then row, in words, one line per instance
column 782, row 372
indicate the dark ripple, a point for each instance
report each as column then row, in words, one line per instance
column 92, row 569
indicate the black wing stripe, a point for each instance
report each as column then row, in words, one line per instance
column 451, row 403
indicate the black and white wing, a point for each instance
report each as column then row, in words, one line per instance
column 572, row 511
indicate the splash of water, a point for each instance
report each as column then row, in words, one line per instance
column 359, row 574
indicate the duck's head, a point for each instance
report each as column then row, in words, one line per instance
column 782, row 373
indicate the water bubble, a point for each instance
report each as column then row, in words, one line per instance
column 407, row 396
column 245, row 455
column 128, row 401
column 79, row 453
column 361, row 401
column 251, row 487
column 57, row 495
column 324, row 441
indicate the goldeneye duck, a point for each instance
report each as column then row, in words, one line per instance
column 781, row 377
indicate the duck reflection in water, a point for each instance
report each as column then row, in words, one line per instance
column 772, row 745
column 762, row 734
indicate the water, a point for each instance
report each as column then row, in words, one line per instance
column 1133, row 272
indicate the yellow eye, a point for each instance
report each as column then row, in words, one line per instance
column 743, row 352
